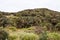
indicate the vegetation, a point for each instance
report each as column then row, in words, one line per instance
column 3, row 35
column 30, row 24
column 29, row 36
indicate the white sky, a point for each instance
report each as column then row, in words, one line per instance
column 18, row 5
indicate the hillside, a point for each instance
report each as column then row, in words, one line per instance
column 31, row 17
column 30, row 24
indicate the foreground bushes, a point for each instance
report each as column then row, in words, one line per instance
column 32, row 36
column 50, row 36
column 13, row 37
column 23, row 36
column 3, row 35
column 29, row 36
column 43, row 36
column 53, row 36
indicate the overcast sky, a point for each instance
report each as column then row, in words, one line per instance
column 18, row 5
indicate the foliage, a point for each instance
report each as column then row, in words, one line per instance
column 49, row 36
column 12, row 37
column 3, row 35
column 31, row 17
column 53, row 36
column 43, row 36
column 29, row 36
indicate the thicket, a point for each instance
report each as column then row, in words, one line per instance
column 3, row 35
column 31, row 17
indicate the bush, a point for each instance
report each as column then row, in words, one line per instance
column 49, row 36
column 12, row 37
column 29, row 36
column 23, row 36
column 43, row 36
column 3, row 35
column 12, row 28
column 58, row 26
column 53, row 36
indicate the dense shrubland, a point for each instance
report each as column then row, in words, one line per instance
column 31, row 17
column 23, row 35
column 36, row 24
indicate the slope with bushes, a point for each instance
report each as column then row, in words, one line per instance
column 30, row 24
column 31, row 17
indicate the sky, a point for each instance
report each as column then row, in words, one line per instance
column 18, row 5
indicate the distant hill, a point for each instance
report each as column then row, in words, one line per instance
column 31, row 17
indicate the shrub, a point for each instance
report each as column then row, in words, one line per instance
column 23, row 36
column 57, row 26
column 49, row 36
column 3, row 35
column 12, row 37
column 28, row 36
column 53, row 36
column 43, row 36
column 12, row 28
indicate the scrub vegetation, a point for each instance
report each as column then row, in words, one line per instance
column 30, row 24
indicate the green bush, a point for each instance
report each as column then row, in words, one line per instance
column 49, row 36
column 53, row 36
column 43, row 36
column 12, row 28
column 23, row 36
column 12, row 37
column 3, row 35
column 29, row 36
